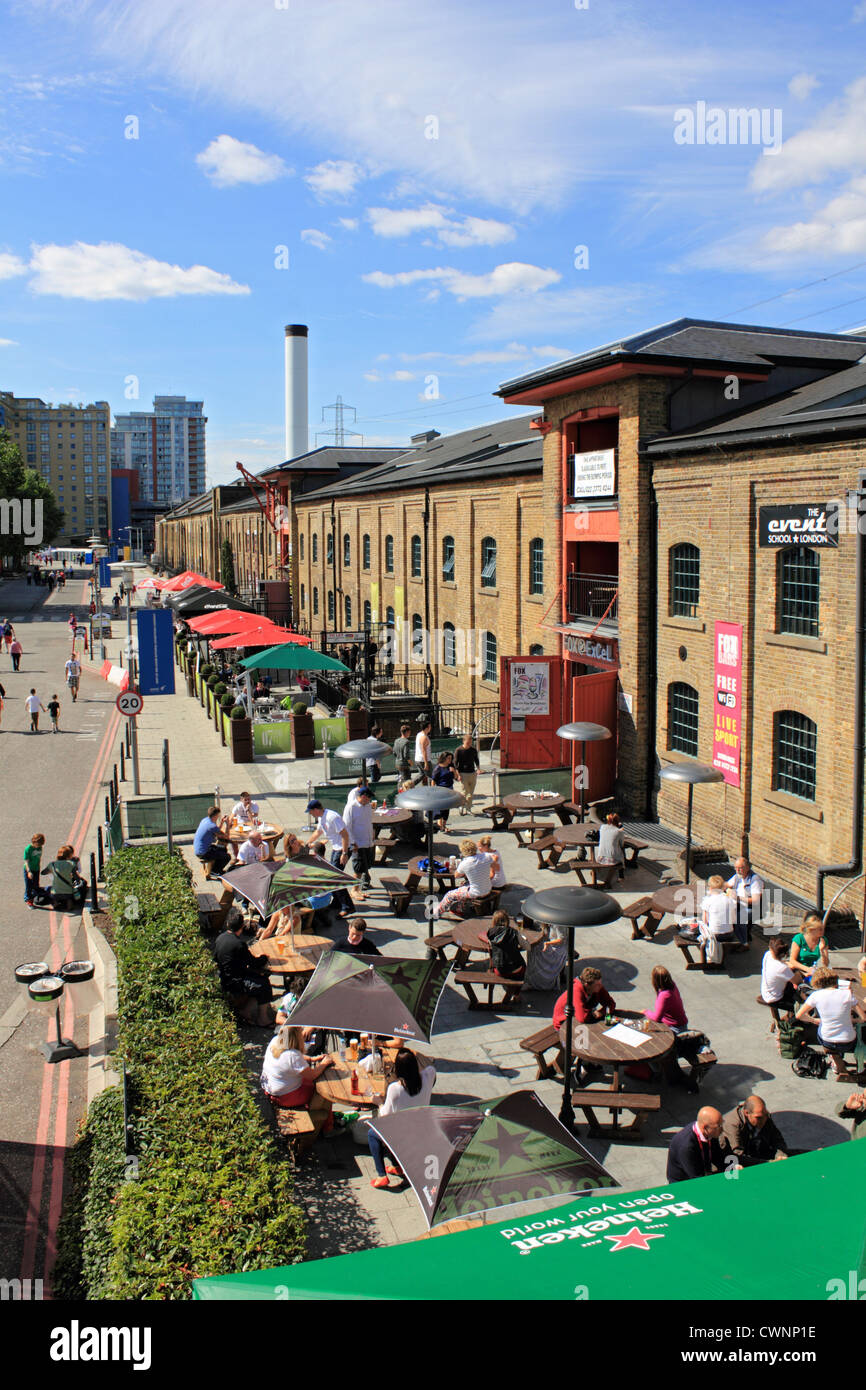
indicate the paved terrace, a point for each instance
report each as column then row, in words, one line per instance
column 477, row 1054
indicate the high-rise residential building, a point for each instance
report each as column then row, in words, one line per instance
column 165, row 446
column 69, row 447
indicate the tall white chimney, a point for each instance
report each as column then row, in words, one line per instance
column 297, row 424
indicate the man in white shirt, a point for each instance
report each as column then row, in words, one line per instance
column 34, row 705
column 246, row 810
column 331, row 830
column 253, row 850
column 73, row 675
column 747, row 888
column 358, row 820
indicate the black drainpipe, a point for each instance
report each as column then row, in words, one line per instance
column 429, row 669
column 652, row 645
column 852, row 868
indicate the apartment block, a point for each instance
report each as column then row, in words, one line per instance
column 69, row 446
column 165, row 447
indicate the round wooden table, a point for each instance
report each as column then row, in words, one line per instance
column 335, row 1084
column 271, row 836
column 397, row 815
column 590, row 1043
column 444, row 878
column 288, row 956
column 679, row 899
column 471, row 935
column 547, row 801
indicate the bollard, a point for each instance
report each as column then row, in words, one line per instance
column 128, row 739
column 122, row 765
column 94, row 895
column 100, row 855
column 111, row 796
column 107, row 811
column 114, row 784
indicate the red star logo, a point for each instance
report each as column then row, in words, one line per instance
column 635, row 1239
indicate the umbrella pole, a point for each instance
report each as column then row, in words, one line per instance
column 249, row 689
column 582, row 779
column 566, row 1110
column 689, row 832
column 430, row 889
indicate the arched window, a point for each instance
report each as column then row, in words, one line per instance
column 330, row 605
column 301, row 547
column 683, row 718
column 389, row 554
column 417, row 637
column 329, row 548
column 315, row 599
column 491, row 661
column 389, row 617
column 416, row 557
column 488, row 563
column 448, row 558
column 347, row 611
column 536, row 649
column 303, row 597
column 795, row 754
column 536, row 566
column 365, row 551
column 347, row 550
column 684, row 580
column 449, row 645
column 368, row 612
column 314, row 542
column 798, row 590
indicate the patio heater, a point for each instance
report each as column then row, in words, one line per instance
column 571, row 908
column 692, row 773
column 583, row 734
column 363, row 749
column 430, row 800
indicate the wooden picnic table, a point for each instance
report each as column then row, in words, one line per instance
column 546, row 801
column 471, row 935
column 335, row 1084
column 284, row 958
column 590, row 1043
column 445, row 879
column 385, row 816
column 679, row 899
column 271, row 836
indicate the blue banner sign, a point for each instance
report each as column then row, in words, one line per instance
column 155, row 651
column 104, row 573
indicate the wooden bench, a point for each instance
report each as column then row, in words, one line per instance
column 436, row 946
column 539, row 1045
column 540, row 848
column 600, row 874
column 292, row 1126
column 501, row 816
column 471, row 976
column 639, row 1104
column 685, row 944
column 643, row 930
column 774, row 1011
column 399, row 896
column 534, row 827
column 212, row 912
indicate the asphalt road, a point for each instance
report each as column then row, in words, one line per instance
column 56, row 784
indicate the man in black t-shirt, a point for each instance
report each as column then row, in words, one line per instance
column 356, row 943
column 466, row 763
column 243, row 973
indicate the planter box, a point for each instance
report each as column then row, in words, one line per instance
column 273, row 738
column 225, row 731
column 241, row 740
column 303, row 735
column 357, row 723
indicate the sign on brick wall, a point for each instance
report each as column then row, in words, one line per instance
column 807, row 523
column 594, row 473
column 727, row 686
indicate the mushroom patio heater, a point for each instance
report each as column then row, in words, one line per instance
column 571, row 908
column 583, row 734
column 365, row 749
column 431, row 801
column 692, row 773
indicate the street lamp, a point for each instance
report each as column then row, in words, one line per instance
column 570, row 908
column 692, row 773
column 431, row 801
column 583, row 734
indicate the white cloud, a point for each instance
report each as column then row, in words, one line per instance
column 227, row 162
column 8, row 342
column 113, row 271
column 373, row 375
column 566, row 311
column 10, row 266
column 803, row 85
column 334, row 178
column 350, row 223
column 401, row 375
column 838, row 229
column 832, row 144
column 449, row 231
column 513, row 277
column 314, row 237
column 859, row 13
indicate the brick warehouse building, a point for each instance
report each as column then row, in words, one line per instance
column 659, row 453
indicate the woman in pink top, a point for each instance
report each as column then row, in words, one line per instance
column 668, row 1008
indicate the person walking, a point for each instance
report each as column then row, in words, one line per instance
column 422, row 750
column 2, row 698
column 402, row 755
column 32, row 865
column 54, row 714
column 16, row 651
column 443, row 776
column 466, row 763
column 34, row 705
column 71, row 624
column 358, row 821
column 73, row 676
column 8, row 633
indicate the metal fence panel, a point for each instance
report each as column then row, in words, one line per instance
column 145, row 817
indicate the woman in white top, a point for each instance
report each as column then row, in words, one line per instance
column 836, row 1009
column 718, row 914
column 610, row 841
column 777, row 976
column 411, row 1087
column 485, row 844
column 476, row 867
column 289, row 1080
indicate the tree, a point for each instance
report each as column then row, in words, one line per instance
column 29, row 515
column 227, row 568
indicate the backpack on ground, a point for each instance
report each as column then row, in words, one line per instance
column 810, row 1063
column 792, row 1038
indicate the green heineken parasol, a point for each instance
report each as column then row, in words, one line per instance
column 392, row 996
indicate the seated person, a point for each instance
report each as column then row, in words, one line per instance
column 286, row 920
column 476, row 868
column 67, row 886
column 254, row 849
column 752, row 1134
column 611, row 837
column 292, row 845
column 747, row 889
column 809, row 947
column 289, row 1081
column 718, row 915
column 836, row 1010
column 777, row 978
column 259, row 690
column 410, row 1087
column 355, row 943
column 506, row 957
column 700, row 1148
column 854, row 1109
column 498, row 878
column 245, row 811
column 243, row 973
column 211, row 837
column 590, row 999
column 668, row 1008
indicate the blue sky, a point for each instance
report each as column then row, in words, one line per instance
column 431, row 169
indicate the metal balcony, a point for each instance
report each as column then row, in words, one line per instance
column 592, row 598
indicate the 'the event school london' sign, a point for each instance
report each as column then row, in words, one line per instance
column 727, row 684
column 807, row 523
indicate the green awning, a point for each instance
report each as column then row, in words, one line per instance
column 716, row 1238
column 289, row 656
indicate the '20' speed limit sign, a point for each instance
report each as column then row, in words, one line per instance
column 130, row 703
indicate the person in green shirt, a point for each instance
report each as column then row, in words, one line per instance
column 854, row 1109
column 808, row 947
column 32, row 862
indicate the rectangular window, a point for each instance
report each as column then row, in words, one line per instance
column 799, row 592
column 683, row 719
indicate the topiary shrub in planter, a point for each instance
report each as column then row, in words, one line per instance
column 227, row 700
column 220, row 689
column 303, row 731
column 356, row 719
column 241, row 735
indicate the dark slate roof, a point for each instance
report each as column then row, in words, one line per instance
column 703, row 340
column 328, row 458
column 501, row 449
column 834, row 404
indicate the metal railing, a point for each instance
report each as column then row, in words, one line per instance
column 593, row 597
column 483, row 720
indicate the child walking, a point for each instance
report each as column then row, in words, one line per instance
column 54, row 712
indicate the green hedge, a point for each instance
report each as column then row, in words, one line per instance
column 212, row 1195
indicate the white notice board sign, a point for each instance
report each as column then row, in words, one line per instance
column 595, row 474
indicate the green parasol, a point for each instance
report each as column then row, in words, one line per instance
column 392, row 996
column 292, row 657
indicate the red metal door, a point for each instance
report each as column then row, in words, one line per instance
column 593, row 700
column 529, row 740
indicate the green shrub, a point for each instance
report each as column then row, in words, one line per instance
column 205, row 671
column 300, row 708
column 220, row 689
column 227, row 700
column 212, row 1195
column 353, row 703
column 238, row 712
